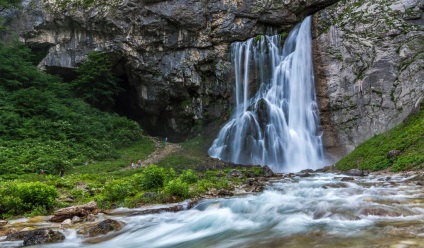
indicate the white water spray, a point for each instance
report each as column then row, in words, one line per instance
column 279, row 125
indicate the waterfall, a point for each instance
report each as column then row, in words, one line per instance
column 277, row 126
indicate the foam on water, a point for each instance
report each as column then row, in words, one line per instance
column 293, row 210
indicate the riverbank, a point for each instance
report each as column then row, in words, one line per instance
column 390, row 199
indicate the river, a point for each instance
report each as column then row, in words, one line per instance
column 317, row 211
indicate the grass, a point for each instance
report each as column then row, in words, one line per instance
column 140, row 150
column 408, row 138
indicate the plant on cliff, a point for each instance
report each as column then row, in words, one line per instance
column 6, row 5
column 96, row 83
column 406, row 138
column 43, row 125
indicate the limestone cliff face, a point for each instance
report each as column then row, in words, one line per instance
column 174, row 55
column 369, row 58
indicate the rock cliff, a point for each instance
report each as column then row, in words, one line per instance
column 175, row 62
column 369, row 58
column 173, row 55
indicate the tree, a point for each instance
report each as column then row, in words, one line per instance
column 96, row 83
column 7, row 5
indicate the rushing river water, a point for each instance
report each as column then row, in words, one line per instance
column 317, row 211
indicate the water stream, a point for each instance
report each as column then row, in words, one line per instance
column 278, row 125
column 318, row 211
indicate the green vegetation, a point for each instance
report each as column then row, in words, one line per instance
column 96, row 83
column 6, row 5
column 43, row 125
column 407, row 137
column 34, row 198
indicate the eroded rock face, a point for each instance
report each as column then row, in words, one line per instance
column 369, row 58
column 174, row 55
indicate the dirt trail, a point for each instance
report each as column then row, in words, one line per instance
column 160, row 153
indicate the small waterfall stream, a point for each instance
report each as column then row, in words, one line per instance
column 279, row 125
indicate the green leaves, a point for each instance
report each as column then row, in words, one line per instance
column 43, row 125
column 406, row 137
column 18, row 198
column 96, row 83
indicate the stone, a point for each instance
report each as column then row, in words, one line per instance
column 356, row 172
column 76, row 219
column 267, row 171
column 303, row 174
column 90, row 218
column 69, row 212
column 43, row 236
column 224, row 192
column 3, row 223
column 105, row 227
column 347, row 179
column 235, row 173
column 380, row 212
column 66, row 223
column 15, row 236
column 393, row 153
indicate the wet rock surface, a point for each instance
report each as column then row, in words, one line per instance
column 81, row 211
column 368, row 57
column 105, row 227
column 36, row 237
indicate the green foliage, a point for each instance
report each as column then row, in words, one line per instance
column 96, row 83
column 17, row 198
column 406, row 137
column 178, row 187
column 151, row 178
column 7, row 5
column 189, row 176
column 42, row 124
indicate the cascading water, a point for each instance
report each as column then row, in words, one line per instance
column 279, row 125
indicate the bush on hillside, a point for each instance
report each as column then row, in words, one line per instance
column 43, row 125
column 407, row 137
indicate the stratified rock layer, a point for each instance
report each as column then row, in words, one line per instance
column 369, row 58
column 173, row 55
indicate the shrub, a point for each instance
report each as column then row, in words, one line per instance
column 152, row 177
column 188, row 176
column 178, row 187
column 36, row 194
column 117, row 190
column 18, row 198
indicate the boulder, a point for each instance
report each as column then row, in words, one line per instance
column 66, row 223
column 224, row 192
column 104, row 227
column 267, row 171
column 15, row 236
column 3, row 223
column 346, row 179
column 235, row 173
column 81, row 211
column 43, row 236
column 76, row 219
column 356, row 172
column 393, row 153
column 380, row 212
column 90, row 217
column 303, row 174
